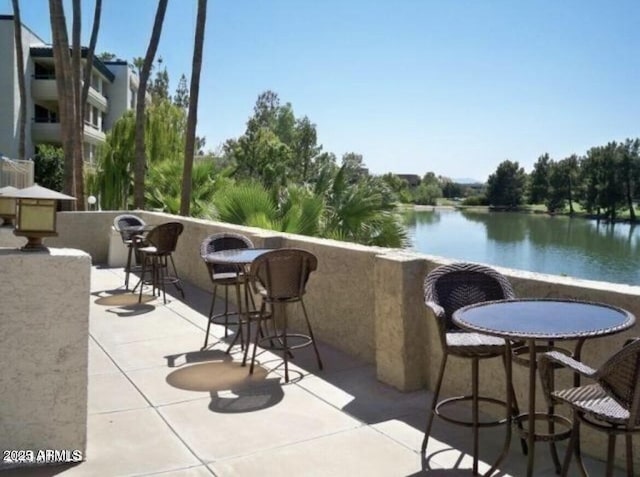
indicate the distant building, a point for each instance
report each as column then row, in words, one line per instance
column 412, row 179
column 113, row 91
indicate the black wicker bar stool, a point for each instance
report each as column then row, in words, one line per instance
column 280, row 277
column 130, row 228
column 446, row 289
column 156, row 257
column 611, row 403
column 225, row 276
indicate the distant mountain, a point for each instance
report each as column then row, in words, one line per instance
column 466, row 180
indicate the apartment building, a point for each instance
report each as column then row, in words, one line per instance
column 112, row 92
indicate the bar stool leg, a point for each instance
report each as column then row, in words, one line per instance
column 127, row 270
column 475, row 371
column 629, row 444
column 434, row 402
column 213, row 304
column 142, row 275
column 313, row 341
column 255, row 342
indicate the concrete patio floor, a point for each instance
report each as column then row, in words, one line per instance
column 160, row 406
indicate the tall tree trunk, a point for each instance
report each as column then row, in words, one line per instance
column 192, row 118
column 140, row 161
column 88, row 68
column 62, row 62
column 78, row 119
column 22, row 122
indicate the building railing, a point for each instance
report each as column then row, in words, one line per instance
column 16, row 173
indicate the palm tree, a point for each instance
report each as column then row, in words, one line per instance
column 64, row 84
column 78, row 119
column 88, row 66
column 140, row 158
column 192, row 118
column 17, row 32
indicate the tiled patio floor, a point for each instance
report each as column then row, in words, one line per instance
column 160, row 406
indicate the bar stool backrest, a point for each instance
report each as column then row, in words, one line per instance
column 121, row 222
column 620, row 377
column 164, row 237
column 283, row 273
column 223, row 241
column 460, row 284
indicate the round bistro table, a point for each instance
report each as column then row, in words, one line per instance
column 240, row 258
column 531, row 320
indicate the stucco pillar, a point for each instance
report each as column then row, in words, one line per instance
column 44, row 331
column 400, row 321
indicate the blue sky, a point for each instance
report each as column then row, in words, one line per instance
column 450, row 86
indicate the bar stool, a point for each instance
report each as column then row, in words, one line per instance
column 280, row 277
column 225, row 276
column 446, row 289
column 129, row 226
column 162, row 241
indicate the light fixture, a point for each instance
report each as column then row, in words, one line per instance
column 91, row 200
column 36, row 215
column 7, row 205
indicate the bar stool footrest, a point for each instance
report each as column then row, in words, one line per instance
column 274, row 342
column 543, row 416
column 457, row 399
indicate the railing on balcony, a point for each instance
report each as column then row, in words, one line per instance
column 16, row 173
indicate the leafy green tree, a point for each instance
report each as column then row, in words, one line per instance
column 354, row 167
column 539, row 180
column 450, row 189
column 181, row 97
column 630, row 170
column 505, row 187
column 159, row 87
column 106, row 56
column 427, row 193
column 48, row 165
column 557, row 188
column 602, row 177
column 164, row 190
column 305, row 148
column 570, row 171
column 164, row 141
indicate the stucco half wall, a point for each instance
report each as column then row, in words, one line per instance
column 367, row 301
column 44, row 335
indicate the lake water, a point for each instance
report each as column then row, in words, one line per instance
column 558, row 245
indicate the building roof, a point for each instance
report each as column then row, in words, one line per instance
column 47, row 52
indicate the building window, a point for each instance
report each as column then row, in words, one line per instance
column 44, row 115
column 44, row 71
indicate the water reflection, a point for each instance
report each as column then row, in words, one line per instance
column 556, row 245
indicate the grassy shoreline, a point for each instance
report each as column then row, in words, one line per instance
column 623, row 217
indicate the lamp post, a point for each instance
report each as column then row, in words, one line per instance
column 7, row 205
column 36, row 215
column 91, row 200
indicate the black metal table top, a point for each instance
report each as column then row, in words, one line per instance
column 239, row 256
column 544, row 319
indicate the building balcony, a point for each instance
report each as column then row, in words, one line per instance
column 93, row 135
column 45, row 89
column 45, row 130
column 183, row 411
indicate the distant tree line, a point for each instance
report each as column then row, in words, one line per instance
column 603, row 183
